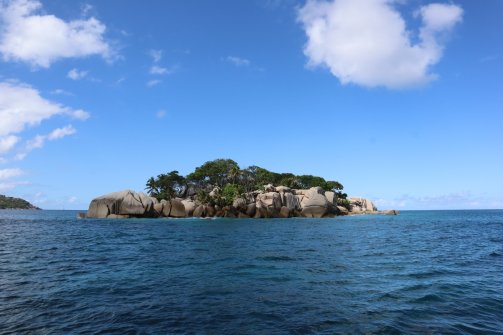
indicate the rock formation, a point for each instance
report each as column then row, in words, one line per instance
column 272, row 202
column 360, row 205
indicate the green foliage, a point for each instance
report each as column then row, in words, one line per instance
column 343, row 203
column 167, row 186
column 15, row 203
column 231, row 192
column 216, row 173
column 203, row 197
column 233, row 181
column 334, row 186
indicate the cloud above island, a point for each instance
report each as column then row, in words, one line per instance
column 22, row 107
column 6, row 176
column 29, row 36
column 368, row 43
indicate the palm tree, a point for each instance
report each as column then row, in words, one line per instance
column 152, row 186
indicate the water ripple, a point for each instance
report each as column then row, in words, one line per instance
column 417, row 273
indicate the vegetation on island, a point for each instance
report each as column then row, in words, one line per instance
column 15, row 203
column 225, row 178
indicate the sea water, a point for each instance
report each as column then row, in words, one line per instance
column 420, row 272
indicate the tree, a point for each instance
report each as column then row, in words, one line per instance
column 232, row 181
column 167, row 186
column 213, row 173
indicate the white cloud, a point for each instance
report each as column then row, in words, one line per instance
column 10, row 173
column 238, row 61
column 39, row 141
column 155, row 69
column 61, row 132
column 439, row 17
column 7, row 143
column 367, row 42
column 75, row 74
column 30, row 36
column 156, row 55
column 35, row 143
column 153, row 82
column 22, row 106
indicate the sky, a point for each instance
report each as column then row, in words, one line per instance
column 399, row 100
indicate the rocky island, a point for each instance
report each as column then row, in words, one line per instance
column 219, row 188
column 15, row 203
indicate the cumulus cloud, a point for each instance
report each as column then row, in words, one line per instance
column 30, row 36
column 366, row 42
column 76, row 74
column 22, row 106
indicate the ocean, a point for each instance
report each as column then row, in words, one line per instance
column 421, row 272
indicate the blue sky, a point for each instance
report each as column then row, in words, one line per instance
column 400, row 101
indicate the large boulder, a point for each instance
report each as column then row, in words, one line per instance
column 251, row 209
column 291, row 201
column 283, row 189
column 314, row 190
column 284, row 212
column 126, row 202
column 269, row 199
column 158, row 208
column 177, row 209
column 343, row 210
column 271, row 202
column 166, row 207
column 314, row 206
column 361, row 205
column 331, row 197
column 240, row 204
column 269, row 188
column 300, row 192
column 190, row 206
column 210, row 211
column 199, row 212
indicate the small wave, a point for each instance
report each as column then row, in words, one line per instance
column 429, row 298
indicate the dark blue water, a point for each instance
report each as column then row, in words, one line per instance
column 435, row 272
